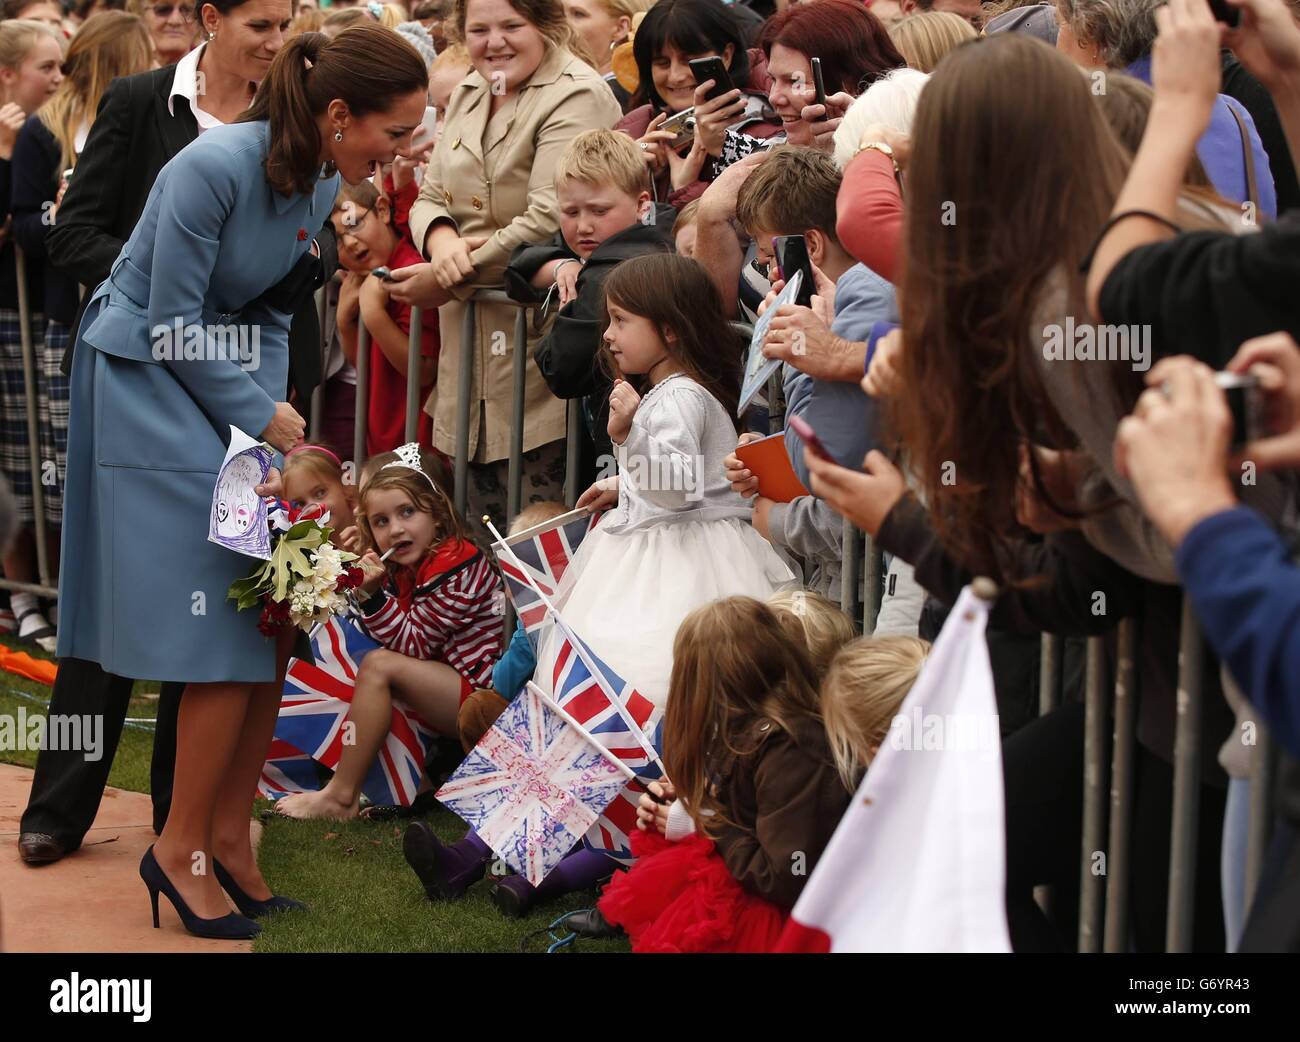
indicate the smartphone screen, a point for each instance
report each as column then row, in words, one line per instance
column 712, row 69
column 791, row 256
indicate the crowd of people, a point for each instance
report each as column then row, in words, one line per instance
column 1044, row 333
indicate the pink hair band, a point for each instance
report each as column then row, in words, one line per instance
column 314, row 448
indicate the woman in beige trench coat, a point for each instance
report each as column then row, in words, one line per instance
column 488, row 189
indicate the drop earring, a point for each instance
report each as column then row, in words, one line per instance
column 338, row 135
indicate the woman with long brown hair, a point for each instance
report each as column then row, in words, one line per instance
column 228, row 222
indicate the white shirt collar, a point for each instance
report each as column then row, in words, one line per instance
column 185, row 84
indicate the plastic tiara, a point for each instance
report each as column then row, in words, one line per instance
column 408, row 456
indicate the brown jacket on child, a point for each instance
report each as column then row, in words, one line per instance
column 785, row 799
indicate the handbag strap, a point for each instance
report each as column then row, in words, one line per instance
column 1248, row 154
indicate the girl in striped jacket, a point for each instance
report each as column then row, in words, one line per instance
column 435, row 606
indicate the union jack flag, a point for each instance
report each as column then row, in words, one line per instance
column 313, row 709
column 545, row 552
column 532, row 787
column 586, row 697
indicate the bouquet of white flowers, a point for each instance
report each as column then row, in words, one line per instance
column 307, row 578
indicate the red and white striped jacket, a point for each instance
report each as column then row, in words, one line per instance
column 449, row 611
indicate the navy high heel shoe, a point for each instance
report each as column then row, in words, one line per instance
column 251, row 906
column 232, row 927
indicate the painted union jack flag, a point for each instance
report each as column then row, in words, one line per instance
column 532, row 787
column 585, row 696
column 313, row 710
column 545, row 552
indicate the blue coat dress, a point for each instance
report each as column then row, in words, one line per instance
column 141, row 590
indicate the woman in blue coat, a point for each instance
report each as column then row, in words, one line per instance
column 143, row 591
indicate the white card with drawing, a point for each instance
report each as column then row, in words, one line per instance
column 238, row 520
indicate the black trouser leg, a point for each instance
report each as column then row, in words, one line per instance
column 67, row 788
column 1152, row 822
column 1043, row 768
column 163, row 766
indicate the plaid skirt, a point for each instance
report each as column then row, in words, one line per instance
column 51, row 414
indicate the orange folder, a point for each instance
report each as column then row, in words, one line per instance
column 767, row 458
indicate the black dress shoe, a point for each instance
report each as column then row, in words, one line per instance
column 590, row 923
column 38, row 848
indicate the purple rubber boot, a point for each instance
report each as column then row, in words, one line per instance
column 515, row 896
column 446, row 871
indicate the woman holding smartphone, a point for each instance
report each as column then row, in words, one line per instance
column 853, row 50
column 672, row 35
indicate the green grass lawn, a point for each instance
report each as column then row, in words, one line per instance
column 362, row 895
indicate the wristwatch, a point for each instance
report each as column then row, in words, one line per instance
column 882, row 148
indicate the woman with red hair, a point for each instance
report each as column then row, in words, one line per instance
column 854, row 48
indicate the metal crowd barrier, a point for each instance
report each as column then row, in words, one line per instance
column 1110, row 751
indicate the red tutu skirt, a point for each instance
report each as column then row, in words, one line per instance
column 680, row 897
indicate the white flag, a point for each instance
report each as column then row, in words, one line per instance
column 918, row 863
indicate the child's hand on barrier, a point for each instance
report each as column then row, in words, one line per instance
column 373, row 300
column 566, row 280
column 623, row 401
column 742, row 479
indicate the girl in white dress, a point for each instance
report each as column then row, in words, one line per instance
column 678, row 536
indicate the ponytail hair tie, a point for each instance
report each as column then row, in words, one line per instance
column 376, row 10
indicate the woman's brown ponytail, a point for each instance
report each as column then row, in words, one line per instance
column 365, row 67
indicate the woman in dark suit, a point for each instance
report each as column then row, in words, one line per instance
column 143, row 122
